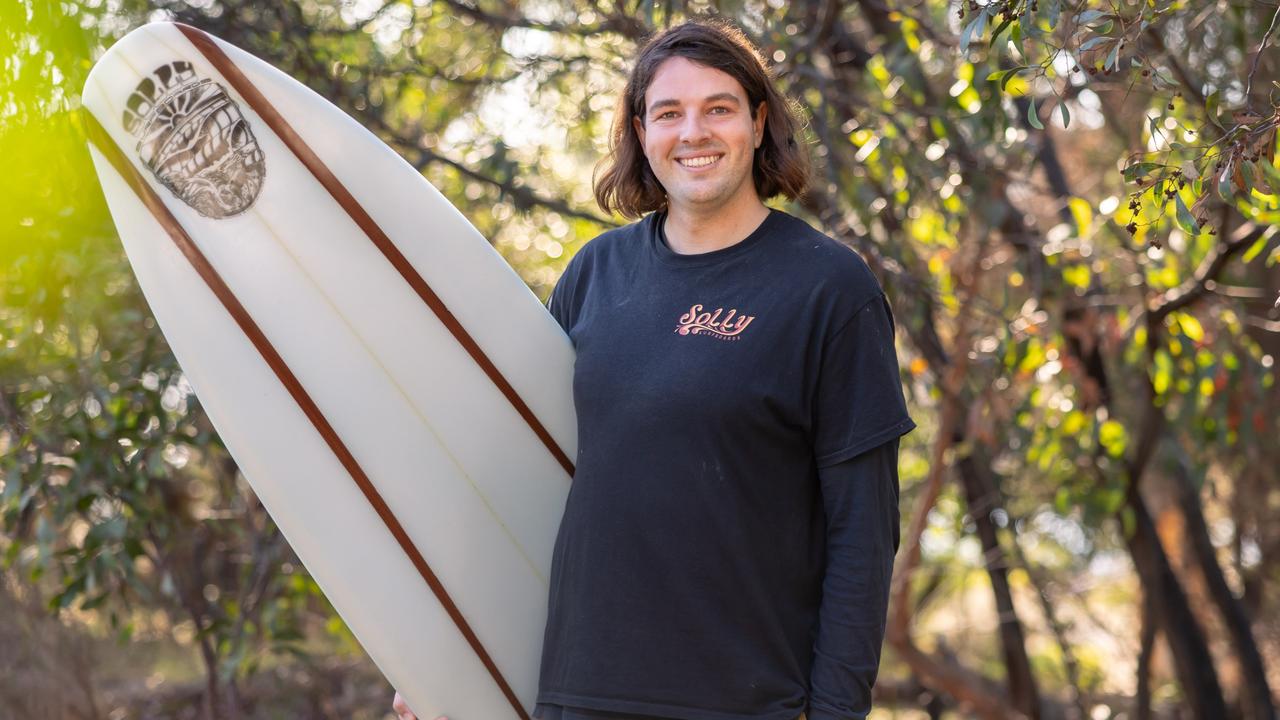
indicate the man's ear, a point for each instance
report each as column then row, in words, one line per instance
column 639, row 128
column 757, row 122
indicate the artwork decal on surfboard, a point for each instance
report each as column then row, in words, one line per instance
column 194, row 139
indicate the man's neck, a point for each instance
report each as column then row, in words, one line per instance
column 692, row 233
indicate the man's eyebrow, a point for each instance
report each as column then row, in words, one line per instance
column 668, row 102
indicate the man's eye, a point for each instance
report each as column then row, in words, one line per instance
column 666, row 114
column 720, row 108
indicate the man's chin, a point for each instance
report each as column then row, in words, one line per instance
column 704, row 198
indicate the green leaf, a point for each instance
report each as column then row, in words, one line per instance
column 1137, row 170
column 1113, row 437
column 1246, row 173
column 1077, row 276
column 1004, row 83
column 1089, row 16
column 1191, row 326
column 974, row 29
column 1163, row 373
column 11, row 554
column 1093, row 42
column 1111, row 499
column 1066, row 115
column 1004, row 76
column 1225, row 190
column 1271, row 173
column 1112, row 56
column 1015, row 36
column 1082, row 213
column 1029, row 24
column 1033, row 117
column 1211, row 108
column 1185, row 219
column 1062, row 500
column 133, row 547
column 1255, row 249
column 1007, row 21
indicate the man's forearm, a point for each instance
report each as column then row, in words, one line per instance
column 860, row 497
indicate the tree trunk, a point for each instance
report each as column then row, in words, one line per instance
column 1256, row 693
column 1173, row 613
column 983, row 497
column 1142, row 702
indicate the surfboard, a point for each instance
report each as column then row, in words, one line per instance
column 393, row 392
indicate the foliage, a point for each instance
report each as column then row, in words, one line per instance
column 1071, row 205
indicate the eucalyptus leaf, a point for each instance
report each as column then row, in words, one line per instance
column 1033, row 117
column 1223, row 185
column 1094, row 42
column 974, row 29
column 1255, row 249
column 1211, row 108
column 1003, row 25
column 1185, row 218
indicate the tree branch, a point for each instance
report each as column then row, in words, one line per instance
column 1262, row 46
column 1210, row 268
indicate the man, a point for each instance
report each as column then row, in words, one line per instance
column 728, row 542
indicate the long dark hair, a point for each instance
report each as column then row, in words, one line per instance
column 780, row 167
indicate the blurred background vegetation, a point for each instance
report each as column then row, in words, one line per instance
column 1071, row 205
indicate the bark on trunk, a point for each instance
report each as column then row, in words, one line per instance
column 982, row 498
column 1256, row 693
column 1173, row 614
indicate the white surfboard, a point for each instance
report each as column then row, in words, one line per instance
column 394, row 393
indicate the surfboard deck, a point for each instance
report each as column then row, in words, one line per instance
column 393, row 392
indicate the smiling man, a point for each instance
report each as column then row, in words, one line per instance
column 728, row 542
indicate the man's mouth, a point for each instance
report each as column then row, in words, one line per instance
column 700, row 161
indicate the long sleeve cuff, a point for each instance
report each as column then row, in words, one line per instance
column 820, row 714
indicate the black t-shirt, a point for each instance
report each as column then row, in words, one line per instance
column 709, row 389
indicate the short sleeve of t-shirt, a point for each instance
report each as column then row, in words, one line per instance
column 859, row 402
column 559, row 303
column 565, row 301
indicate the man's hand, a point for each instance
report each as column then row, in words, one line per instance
column 403, row 712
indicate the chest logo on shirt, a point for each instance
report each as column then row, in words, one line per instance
column 697, row 321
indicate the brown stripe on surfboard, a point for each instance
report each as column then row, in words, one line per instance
column 103, row 141
column 281, row 127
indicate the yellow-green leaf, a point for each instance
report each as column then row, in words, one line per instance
column 1191, row 327
column 1082, row 212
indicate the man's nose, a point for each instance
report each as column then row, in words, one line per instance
column 693, row 129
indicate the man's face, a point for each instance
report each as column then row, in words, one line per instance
column 699, row 135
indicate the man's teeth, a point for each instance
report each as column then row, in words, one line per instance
column 700, row 161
